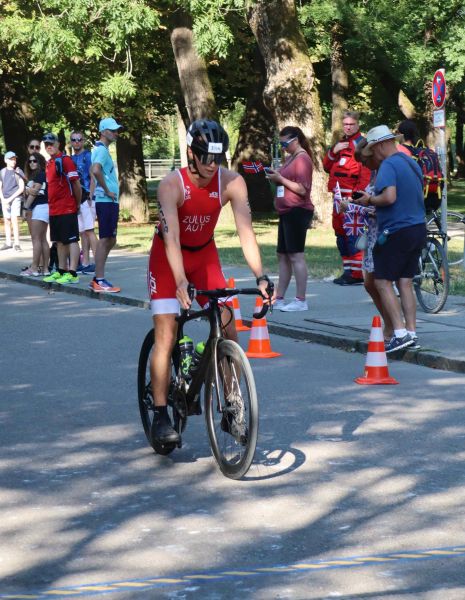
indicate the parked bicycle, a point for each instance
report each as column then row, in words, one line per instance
column 223, row 370
column 433, row 280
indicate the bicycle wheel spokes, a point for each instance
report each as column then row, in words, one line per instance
column 231, row 410
column 456, row 237
column 432, row 283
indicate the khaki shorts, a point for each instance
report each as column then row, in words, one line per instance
column 11, row 209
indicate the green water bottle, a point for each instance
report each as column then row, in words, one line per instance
column 186, row 348
column 199, row 349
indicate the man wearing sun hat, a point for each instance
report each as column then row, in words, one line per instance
column 400, row 211
column 106, row 201
column 11, row 194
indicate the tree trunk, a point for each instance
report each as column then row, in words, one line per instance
column 290, row 92
column 192, row 70
column 339, row 81
column 131, row 173
column 17, row 119
column 182, row 137
column 254, row 143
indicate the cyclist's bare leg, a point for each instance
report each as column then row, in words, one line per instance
column 165, row 328
column 409, row 304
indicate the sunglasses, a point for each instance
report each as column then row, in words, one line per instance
column 32, row 147
column 286, row 143
column 76, row 139
column 32, row 160
column 208, row 159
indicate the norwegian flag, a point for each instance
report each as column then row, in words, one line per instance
column 337, row 198
column 354, row 222
column 252, row 166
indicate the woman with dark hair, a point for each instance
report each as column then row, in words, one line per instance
column 295, row 209
column 37, row 201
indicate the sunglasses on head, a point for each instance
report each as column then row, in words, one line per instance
column 287, row 142
column 33, row 147
column 76, row 139
column 208, row 159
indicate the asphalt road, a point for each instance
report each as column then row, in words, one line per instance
column 357, row 492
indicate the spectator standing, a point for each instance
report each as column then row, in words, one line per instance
column 106, row 202
column 294, row 206
column 33, row 146
column 64, row 198
column 351, row 176
column 400, row 210
column 86, row 217
column 37, row 203
column 365, row 156
column 11, row 195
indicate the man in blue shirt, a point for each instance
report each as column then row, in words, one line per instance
column 86, row 216
column 400, row 211
column 106, row 201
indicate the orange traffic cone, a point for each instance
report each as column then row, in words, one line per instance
column 376, row 369
column 240, row 326
column 259, row 343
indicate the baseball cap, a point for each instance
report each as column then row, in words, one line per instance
column 109, row 123
column 50, row 137
column 10, row 154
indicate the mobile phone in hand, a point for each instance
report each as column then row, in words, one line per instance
column 268, row 170
column 357, row 195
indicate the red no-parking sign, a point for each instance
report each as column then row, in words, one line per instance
column 438, row 88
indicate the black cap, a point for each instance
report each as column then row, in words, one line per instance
column 50, row 137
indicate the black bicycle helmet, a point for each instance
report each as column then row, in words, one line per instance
column 208, row 140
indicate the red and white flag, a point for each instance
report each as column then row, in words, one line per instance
column 337, row 198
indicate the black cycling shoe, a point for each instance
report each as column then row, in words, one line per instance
column 162, row 431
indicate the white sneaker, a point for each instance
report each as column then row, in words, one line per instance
column 294, row 306
column 279, row 304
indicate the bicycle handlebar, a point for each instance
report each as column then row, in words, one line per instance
column 224, row 292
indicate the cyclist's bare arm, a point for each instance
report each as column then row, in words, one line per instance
column 236, row 193
column 170, row 197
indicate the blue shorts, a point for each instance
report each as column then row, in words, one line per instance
column 107, row 218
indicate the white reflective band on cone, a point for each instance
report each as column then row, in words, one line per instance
column 259, row 333
column 376, row 335
column 376, row 359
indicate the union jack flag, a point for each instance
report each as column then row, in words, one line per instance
column 354, row 223
column 252, row 166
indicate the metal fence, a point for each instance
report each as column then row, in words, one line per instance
column 156, row 168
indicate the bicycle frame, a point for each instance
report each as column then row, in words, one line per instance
column 214, row 316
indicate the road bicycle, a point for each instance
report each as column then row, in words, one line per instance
column 224, row 373
column 432, row 282
column 455, row 231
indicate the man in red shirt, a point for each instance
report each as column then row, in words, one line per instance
column 64, row 199
column 351, row 176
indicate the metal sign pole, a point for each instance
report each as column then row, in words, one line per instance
column 439, row 122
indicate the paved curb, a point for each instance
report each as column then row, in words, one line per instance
column 77, row 291
column 424, row 357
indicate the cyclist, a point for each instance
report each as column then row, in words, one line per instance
column 183, row 249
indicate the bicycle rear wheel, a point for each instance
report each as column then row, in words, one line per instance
column 145, row 396
column 432, row 283
column 456, row 236
column 231, row 410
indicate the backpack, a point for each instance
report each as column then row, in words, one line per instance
column 433, row 177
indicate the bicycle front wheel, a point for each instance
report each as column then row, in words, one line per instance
column 231, row 410
column 432, row 283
